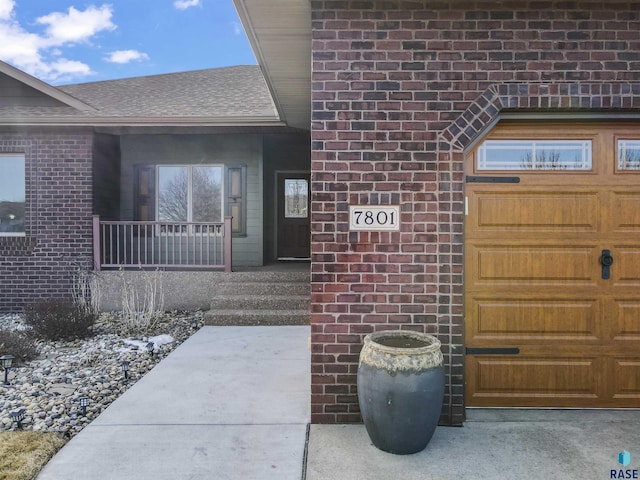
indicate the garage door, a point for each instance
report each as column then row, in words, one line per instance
column 552, row 267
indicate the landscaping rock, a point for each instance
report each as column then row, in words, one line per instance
column 49, row 387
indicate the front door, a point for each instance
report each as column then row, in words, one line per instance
column 294, row 227
column 552, row 267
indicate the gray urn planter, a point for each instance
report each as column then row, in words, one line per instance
column 400, row 389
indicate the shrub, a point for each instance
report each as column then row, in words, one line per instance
column 57, row 319
column 19, row 344
column 142, row 301
column 86, row 289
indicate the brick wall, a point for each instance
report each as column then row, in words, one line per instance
column 399, row 89
column 58, row 217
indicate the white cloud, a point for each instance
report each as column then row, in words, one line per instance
column 6, row 9
column 67, row 69
column 126, row 56
column 41, row 55
column 184, row 4
column 76, row 26
column 237, row 28
column 21, row 48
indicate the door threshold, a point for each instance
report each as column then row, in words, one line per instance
column 294, row 259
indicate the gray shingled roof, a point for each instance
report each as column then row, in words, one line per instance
column 219, row 92
column 228, row 93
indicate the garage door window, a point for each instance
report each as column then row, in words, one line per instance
column 541, row 155
column 628, row 154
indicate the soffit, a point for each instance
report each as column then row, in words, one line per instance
column 280, row 33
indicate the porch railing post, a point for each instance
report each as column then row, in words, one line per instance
column 227, row 244
column 97, row 261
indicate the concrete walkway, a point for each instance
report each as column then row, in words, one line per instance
column 233, row 403
column 229, row 403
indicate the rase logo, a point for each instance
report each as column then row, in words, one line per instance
column 624, row 459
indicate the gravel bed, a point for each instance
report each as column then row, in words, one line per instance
column 49, row 388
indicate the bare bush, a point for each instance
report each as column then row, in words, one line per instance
column 142, row 304
column 86, row 290
column 20, row 344
column 59, row 318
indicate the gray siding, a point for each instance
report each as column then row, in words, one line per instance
column 227, row 150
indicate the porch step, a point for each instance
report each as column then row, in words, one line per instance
column 261, row 298
column 260, row 302
column 256, row 317
column 247, row 289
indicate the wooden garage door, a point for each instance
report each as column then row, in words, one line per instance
column 546, row 323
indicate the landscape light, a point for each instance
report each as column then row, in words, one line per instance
column 6, row 361
column 150, row 347
column 124, row 366
column 84, row 401
column 17, row 417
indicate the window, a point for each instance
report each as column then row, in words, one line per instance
column 12, row 195
column 296, row 198
column 535, row 155
column 190, row 194
column 628, row 154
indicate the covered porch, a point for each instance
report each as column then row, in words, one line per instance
column 215, row 200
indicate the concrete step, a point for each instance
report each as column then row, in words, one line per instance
column 260, row 302
column 265, row 277
column 246, row 289
column 256, row 317
column 261, row 298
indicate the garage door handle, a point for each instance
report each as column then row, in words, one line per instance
column 606, row 260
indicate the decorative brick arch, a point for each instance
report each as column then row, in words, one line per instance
column 537, row 97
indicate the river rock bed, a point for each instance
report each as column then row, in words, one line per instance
column 49, row 387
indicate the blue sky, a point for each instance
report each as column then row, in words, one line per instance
column 77, row 41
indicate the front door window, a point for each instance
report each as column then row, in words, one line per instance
column 296, row 191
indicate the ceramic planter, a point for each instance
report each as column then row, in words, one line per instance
column 400, row 389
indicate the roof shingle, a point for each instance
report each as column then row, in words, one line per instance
column 227, row 93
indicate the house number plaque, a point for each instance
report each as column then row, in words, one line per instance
column 374, row 218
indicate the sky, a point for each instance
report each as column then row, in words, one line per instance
column 76, row 41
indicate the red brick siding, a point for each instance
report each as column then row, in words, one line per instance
column 58, row 217
column 398, row 90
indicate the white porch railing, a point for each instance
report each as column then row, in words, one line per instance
column 180, row 245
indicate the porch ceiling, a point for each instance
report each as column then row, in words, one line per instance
column 280, row 33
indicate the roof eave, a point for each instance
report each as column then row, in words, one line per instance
column 279, row 32
column 144, row 122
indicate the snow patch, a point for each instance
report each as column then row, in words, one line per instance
column 157, row 341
